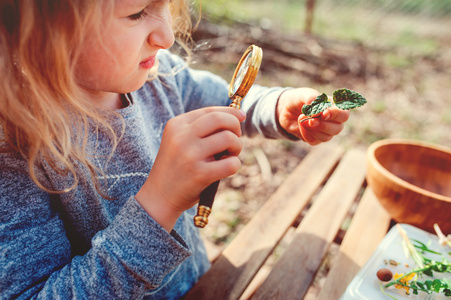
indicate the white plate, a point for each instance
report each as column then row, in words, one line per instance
column 366, row 285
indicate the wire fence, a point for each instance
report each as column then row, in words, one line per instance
column 383, row 23
column 410, row 27
column 436, row 8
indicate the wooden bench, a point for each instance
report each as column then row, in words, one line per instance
column 327, row 189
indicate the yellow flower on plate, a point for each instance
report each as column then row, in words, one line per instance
column 404, row 280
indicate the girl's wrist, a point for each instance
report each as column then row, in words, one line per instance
column 157, row 208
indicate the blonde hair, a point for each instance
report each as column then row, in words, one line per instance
column 44, row 114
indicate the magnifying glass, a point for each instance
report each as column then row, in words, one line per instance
column 242, row 80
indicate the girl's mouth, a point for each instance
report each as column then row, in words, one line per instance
column 148, row 63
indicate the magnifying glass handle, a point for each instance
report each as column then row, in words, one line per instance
column 242, row 80
column 208, row 195
column 206, row 200
column 236, row 102
column 205, row 203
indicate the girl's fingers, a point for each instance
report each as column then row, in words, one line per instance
column 306, row 137
column 319, row 131
column 192, row 116
column 335, row 114
column 210, row 123
column 221, row 142
column 316, row 138
column 329, row 128
column 219, row 169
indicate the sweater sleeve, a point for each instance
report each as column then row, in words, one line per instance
column 260, row 106
column 127, row 258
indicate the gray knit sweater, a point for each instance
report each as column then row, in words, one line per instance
column 80, row 245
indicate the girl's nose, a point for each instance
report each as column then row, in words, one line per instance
column 163, row 35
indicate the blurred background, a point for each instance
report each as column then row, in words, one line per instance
column 395, row 53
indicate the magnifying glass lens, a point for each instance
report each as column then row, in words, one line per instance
column 241, row 73
column 245, row 74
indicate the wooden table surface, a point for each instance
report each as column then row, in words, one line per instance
column 323, row 192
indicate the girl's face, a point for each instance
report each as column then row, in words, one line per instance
column 120, row 61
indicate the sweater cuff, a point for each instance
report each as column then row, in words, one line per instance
column 142, row 245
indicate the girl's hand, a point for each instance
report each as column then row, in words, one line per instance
column 185, row 163
column 314, row 131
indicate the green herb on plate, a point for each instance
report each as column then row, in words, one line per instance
column 425, row 268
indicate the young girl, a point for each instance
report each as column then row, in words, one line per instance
column 100, row 167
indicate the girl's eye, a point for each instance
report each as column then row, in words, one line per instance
column 138, row 16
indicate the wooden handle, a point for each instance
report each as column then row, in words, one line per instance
column 205, row 204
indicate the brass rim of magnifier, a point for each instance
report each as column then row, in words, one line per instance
column 251, row 74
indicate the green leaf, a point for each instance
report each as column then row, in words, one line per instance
column 347, row 99
column 447, row 282
column 428, row 284
column 437, row 285
column 428, row 273
column 413, row 286
column 320, row 104
column 423, row 247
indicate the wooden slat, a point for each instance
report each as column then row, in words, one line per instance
column 368, row 227
column 240, row 261
column 261, row 276
column 295, row 270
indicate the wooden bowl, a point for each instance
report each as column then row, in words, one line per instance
column 412, row 181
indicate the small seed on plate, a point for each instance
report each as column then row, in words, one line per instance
column 384, row 275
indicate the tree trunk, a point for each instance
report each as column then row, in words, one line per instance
column 310, row 8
